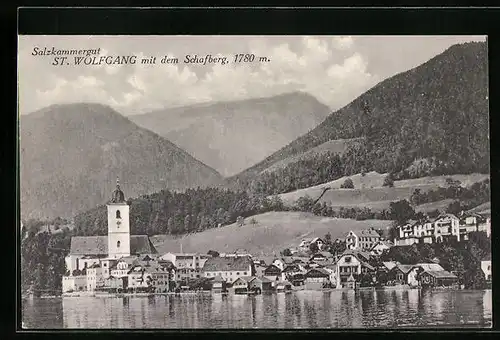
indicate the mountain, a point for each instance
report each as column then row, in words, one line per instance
column 231, row 136
column 71, row 155
column 430, row 120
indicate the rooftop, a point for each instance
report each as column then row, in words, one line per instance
column 442, row 274
column 98, row 245
column 227, row 264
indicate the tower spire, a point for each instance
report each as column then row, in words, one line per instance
column 117, row 182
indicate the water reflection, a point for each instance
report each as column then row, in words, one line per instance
column 336, row 309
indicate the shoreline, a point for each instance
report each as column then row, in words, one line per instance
column 207, row 292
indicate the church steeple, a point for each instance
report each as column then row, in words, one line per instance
column 118, row 224
column 118, row 195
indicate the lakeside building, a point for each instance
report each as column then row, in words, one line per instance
column 441, row 228
column 92, row 258
column 188, row 265
column 228, row 268
column 352, row 263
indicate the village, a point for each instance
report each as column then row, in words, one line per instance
column 120, row 263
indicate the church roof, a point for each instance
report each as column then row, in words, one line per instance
column 98, row 245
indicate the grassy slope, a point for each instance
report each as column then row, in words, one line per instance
column 273, row 232
column 370, row 193
column 483, row 208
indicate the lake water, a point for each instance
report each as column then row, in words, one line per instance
column 305, row 309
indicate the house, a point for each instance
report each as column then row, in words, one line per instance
column 162, row 276
column 292, row 270
column 123, row 266
column 273, row 273
column 260, row 266
column 404, row 274
column 380, row 247
column 352, row 262
column 298, row 281
column 74, row 283
column 440, row 278
column 95, row 278
column 446, row 226
column 242, row 284
column 305, row 244
column 486, row 267
column 470, row 222
column 283, row 286
column 260, row 284
column 322, row 256
column 140, row 279
column 388, row 265
column 188, row 265
column 362, row 239
column 316, row 278
column 113, row 284
column 219, row 285
column 229, row 268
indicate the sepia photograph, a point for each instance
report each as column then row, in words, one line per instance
column 253, row 182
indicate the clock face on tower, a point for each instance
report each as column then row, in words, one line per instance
column 118, row 222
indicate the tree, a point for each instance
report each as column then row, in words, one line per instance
column 348, row 184
column 287, row 252
column 401, row 211
column 304, row 203
column 337, row 248
column 454, row 207
column 416, row 197
column 433, row 213
column 213, row 253
column 328, row 238
column 388, row 181
column 170, row 225
column 313, row 247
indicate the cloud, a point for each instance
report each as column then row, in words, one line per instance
column 343, row 43
column 333, row 69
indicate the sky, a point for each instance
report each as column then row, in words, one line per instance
column 334, row 69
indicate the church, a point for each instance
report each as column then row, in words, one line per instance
column 105, row 252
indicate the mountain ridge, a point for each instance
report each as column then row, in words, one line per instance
column 71, row 155
column 233, row 135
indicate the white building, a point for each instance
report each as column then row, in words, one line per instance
column 228, row 268
column 431, row 230
column 188, row 265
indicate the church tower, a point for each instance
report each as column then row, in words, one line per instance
column 118, row 225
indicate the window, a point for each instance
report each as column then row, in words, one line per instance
column 245, row 273
column 347, row 259
column 118, row 215
column 118, row 244
column 237, row 273
column 489, row 267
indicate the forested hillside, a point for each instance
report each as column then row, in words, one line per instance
column 431, row 120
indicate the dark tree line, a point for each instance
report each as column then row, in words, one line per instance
column 176, row 213
column 42, row 260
